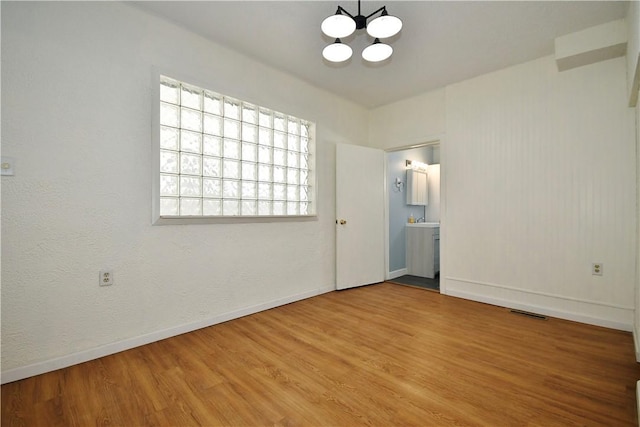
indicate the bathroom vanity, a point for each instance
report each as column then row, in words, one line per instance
column 423, row 249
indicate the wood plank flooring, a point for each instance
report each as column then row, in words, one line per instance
column 383, row 355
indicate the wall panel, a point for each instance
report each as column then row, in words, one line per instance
column 540, row 184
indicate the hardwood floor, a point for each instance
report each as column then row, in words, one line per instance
column 379, row 355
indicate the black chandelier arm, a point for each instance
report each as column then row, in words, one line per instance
column 383, row 8
column 342, row 9
column 359, row 16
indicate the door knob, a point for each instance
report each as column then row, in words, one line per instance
column 343, row 222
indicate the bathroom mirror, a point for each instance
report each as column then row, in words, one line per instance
column 417, row 189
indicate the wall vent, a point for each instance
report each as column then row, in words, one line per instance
column 529, row 314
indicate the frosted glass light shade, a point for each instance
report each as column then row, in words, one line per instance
column 377, row 52
column 337, row 52
column 338, row 26
column 384, row 26
column 418, row 166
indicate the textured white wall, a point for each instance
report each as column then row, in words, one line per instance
column 541, row 183
column 76, row 104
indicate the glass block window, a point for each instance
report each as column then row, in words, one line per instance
column 221, row 157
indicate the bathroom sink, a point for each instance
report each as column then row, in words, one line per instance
column 424, row 224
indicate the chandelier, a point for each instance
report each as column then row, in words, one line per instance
column 343, row 24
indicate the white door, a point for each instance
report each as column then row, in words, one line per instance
column 359, row 216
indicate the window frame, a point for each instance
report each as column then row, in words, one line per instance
column 158, row 219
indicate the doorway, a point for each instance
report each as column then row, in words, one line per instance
column 413, row 231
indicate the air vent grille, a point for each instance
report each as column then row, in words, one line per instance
column 529, row 314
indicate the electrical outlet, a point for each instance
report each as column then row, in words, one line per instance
column 7, row 166
column 596, row 268
column 106, row 278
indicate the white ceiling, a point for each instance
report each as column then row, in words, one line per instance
column 441, row 42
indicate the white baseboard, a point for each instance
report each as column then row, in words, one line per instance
column 397, row 273
column 638, row 399
column 636, row 346
column 127, row 344
column 608, row 316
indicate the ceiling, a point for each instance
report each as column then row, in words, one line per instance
column 441, row 42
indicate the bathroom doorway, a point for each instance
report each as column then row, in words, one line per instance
column 413, row 231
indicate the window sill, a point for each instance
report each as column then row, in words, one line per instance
column 186, row 220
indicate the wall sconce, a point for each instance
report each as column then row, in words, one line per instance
column 399, row 184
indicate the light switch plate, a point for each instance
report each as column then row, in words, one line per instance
column 7, row 166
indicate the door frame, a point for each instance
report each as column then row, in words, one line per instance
column 437, row 140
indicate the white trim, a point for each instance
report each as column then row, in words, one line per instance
column 396, row 273
column 545, row 294
column 638, row 399
column 561, row 314
column 636, row 345
column 182, row 220
column 127, row 344
column 418, row 142
column 386, row 217
column 635, row 84
column 155, row 145
column 444, row 249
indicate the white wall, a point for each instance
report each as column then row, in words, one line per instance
column 636, row 329
column 633, row 74
column 76, row 103
column 414, row 120
column 539, row 176
column 633, row 50
column 541, row 183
